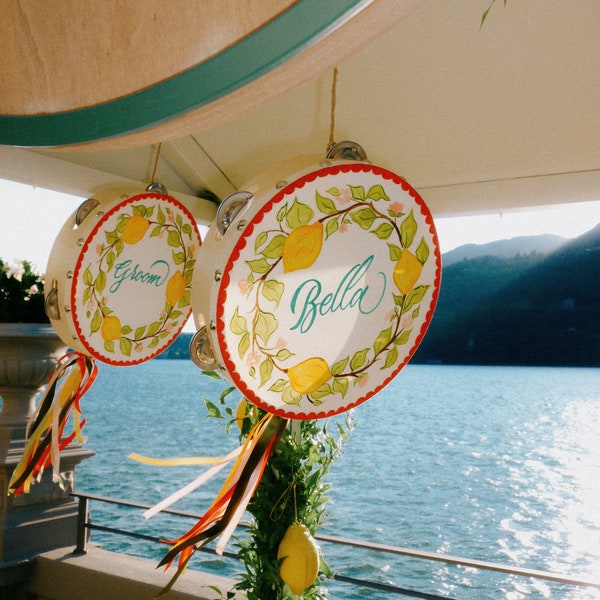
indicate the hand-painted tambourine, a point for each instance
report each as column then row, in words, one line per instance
column 324, row 279
column 118, row 282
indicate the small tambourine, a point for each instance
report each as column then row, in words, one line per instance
column 317, row 284
column 118, row 282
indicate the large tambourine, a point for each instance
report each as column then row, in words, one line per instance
column 317, row 284
column 118, row 282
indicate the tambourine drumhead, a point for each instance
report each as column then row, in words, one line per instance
column 121, row 279
column 326, row 292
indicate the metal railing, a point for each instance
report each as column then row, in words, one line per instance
column 85, row 525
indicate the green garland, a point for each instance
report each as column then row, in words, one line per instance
column 292, row 489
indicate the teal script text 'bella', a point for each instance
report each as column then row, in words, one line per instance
column 309, row 299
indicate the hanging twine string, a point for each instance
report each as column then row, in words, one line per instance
column 333, row 107
column 153, row 180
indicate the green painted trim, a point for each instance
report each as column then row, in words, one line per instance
column 290, row 33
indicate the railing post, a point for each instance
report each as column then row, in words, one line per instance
column 82, row 534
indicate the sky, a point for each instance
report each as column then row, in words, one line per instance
column 28, row 228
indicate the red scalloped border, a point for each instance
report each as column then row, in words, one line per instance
column 78, row 329
column 241, row 244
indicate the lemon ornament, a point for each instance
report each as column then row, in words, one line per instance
column 299, row 555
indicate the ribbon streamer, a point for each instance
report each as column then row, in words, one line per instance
column 227, row 509
column 72, row 377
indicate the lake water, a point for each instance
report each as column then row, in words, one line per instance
column 498, row 464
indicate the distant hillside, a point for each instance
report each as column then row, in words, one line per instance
column 542, row 244
column 519, row 307
column 524, row 310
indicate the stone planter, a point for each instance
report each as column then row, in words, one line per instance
column 46, row 518
column 28, row 353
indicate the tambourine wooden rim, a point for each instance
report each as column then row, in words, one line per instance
column 313, row 386
column 128, row 294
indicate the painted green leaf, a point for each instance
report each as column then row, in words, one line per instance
column 259, row 265
column 395, row 252
column 384, row 231
column 284, row 354
column 339, row 366
column 155, row 231
column 325, row 205
column 153, row 343
column 111, row 237
column 160, row 216
column 331, row 227
column 178, row 258
column 281, row 213
column 238, row 324
column 266, row 324
column 340, row 386
column 187, row 229
column 333, row 191
column 278, row 386
column 154, row 327
column 274, row 248
column 139, row 332
column 185, row 299
column 265, row 369
column 139, row 210
column 126, row 330
column 359, row 359
column 261, row 238
column 357, row 192
column 415, row 296
column 322, row 392
column 422, row 252
column 289, row 396
column 382, row 340
column 96, row 322
column 87, row 294
column 273, row 290
column 125, row 346
column 110, row 260
column 173, row 238
column 364, row 217
column 87, row 277
column 244, row 344
column 100, row 282
column 403, row 337
column 390, row 358
column 377, row 193
column 408, row 229
column 109, row 347
column 299, row 214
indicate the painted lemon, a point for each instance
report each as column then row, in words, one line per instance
column 309, row 375
column 175, row 288
column 110, row 329
column 302, row 247
column 407, row 271
column 135, row 229
column 299, row 555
